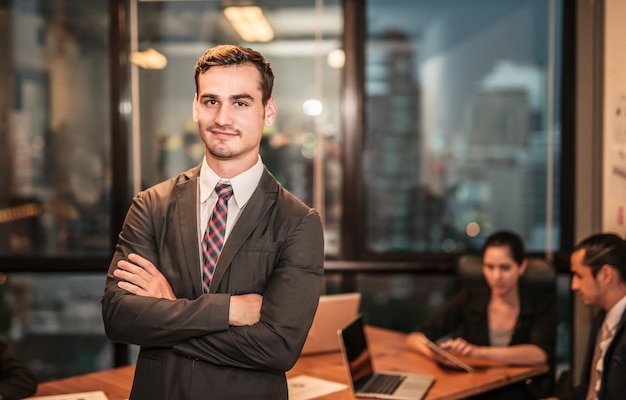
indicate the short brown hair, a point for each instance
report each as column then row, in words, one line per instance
column 227, row 55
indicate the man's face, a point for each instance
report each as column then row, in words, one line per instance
column 230, row 113
column 583, row 281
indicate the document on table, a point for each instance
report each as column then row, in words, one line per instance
column 303, row 387
column 99, row 395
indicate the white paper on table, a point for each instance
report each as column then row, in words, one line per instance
column 303, row 387
column 99, row 395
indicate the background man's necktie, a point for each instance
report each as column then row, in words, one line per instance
column 213, row 238
column 597, row 363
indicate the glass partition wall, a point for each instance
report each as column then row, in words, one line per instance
column 55, row 182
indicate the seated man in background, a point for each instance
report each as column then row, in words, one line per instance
column 503, row 321
column 598, row 265
column 16, row 380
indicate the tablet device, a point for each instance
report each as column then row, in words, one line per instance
column 456, row 363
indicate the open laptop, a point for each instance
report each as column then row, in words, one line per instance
column 333, row 312
column 365, row 382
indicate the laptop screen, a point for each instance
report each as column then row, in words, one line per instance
column 357, row 353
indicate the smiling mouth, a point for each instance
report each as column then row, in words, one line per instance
column 223, row 134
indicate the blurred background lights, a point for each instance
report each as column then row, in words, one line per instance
column 472, row 229
column 312, row 107
column 336, row 59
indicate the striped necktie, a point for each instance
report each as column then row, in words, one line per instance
column 213, row 238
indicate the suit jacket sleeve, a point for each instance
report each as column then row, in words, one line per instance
column 151, row 229
column 542, row 326
column 16, row 380
column 289, row 303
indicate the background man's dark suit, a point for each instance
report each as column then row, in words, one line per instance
column 614, row 373
column 188, row 350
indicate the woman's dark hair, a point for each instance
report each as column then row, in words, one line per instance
column 228, row 55
column 507, row 239
column 604, row 248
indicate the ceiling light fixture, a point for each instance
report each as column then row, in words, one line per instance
column 250, row 23
column 149, row 59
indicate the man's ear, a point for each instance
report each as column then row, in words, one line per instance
column 270, row 112
column 606, row 274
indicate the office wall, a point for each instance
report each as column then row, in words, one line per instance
column 614, row 118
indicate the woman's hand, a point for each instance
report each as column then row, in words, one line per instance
column 460, row 347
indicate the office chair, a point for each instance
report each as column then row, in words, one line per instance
column 539, row 275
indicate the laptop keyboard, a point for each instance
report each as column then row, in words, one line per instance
column 385, row 384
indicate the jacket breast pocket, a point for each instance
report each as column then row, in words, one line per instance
column 253, row 266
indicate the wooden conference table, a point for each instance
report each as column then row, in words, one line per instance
column 388, row 352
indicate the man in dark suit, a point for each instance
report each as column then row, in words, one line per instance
column 16, row 379
column 231, row 332
column 598, row 266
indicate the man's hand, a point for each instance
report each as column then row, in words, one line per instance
column 139, row 276
column 245, row 309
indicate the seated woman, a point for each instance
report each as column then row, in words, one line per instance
column 502, row 321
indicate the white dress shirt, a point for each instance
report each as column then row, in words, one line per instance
column 243, row 186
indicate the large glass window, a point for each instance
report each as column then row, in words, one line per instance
column 54, row 322
column 55, row 131
column 461, row 123
column 55, row 186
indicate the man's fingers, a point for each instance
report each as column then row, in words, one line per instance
column 131, row 272
column 144, row 263
column 127, row 276
column 129, row 287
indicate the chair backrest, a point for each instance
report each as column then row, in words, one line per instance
column 539, row 274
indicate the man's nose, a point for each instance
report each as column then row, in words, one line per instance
column 223, row 116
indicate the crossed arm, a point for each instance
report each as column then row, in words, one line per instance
column 141, row 277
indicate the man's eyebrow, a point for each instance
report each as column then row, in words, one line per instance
column 242, row 96
column 236, row 97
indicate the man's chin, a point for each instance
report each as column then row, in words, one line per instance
column 222, row 154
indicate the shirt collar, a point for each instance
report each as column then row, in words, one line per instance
column 615, row 314
column 243, row 184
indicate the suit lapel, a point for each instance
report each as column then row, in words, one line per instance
column 187, row 205
column 616, row 338
column 259, row 204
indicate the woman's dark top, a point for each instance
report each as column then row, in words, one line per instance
column 465, row 316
